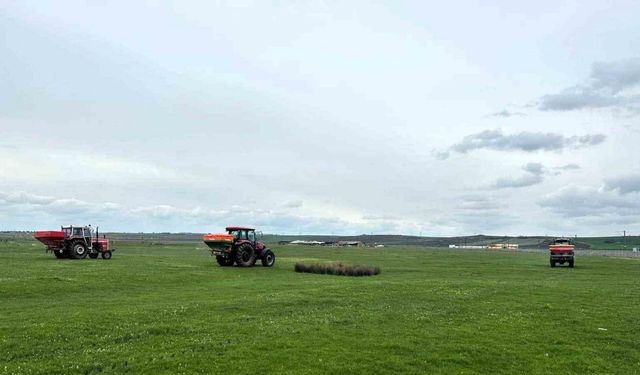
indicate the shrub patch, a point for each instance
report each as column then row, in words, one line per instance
column 337, row 268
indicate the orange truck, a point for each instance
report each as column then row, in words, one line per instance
column 561, row 251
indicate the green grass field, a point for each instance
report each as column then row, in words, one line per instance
column 171, row 309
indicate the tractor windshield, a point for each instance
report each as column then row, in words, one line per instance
column 235, row 233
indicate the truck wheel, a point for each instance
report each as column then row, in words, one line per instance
column 78, row 250
column 268, row 258
column 552, row 263
column 59, row 253
column 224, row 262
column 245, row 255
column 106, row 255
column 93, row 255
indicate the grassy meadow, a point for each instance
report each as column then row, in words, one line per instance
column 171, row 309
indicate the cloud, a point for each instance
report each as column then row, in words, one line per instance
column 506, row 114
column 624, row 185
column 518, row 182
column 578, row 98
column 34, row 211
column 25, row 198
column 583, row 201
column 380, row 217
column 533, row 176
column 440, row 155
column 478, row 203
column 616, row 76
column 610, row 85
column 524, row 141
column 293, row 204
column 568, row 167
column 535, row 168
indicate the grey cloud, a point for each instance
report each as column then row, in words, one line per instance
column 505, row 114
column 518, row 182
column 579, row 201
column 476, row 203
column 535, row 168
column 534, row 174
column 524, row 141
column 624, row 185
column 293, row 204
column 568, row 167
column 441, row 155
column 585, row 140
column 573, row 99
column 616, row 76
column 605, row 88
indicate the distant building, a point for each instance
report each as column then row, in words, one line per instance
column 503, row 246
column 467, row 247
column 308, row 243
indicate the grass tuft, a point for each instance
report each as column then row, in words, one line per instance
column 337, row 268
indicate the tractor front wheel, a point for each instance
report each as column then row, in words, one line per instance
column 224, row 262
column 59, row 253
column 106, row 255
column 78, row 250
column 268, row 258
column 571, row 263
column 552, row 263
column 94, row 255
column 245, row 255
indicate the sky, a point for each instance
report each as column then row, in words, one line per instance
column 377, row 117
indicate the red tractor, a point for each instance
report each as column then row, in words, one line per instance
column 75, row 242
column 240, row 246
column 561, row 250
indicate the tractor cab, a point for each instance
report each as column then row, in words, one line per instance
column 242, row 234
column 562, row 241
column 80, row 232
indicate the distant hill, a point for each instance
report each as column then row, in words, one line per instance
column 525, row 242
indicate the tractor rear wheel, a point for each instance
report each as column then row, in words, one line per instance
column 106, row 255
column 245, row 255
column 78, row 250
column 268, row 258
column 224, row 262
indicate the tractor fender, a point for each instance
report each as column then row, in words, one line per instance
column 241, row 242
column 264, row 250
